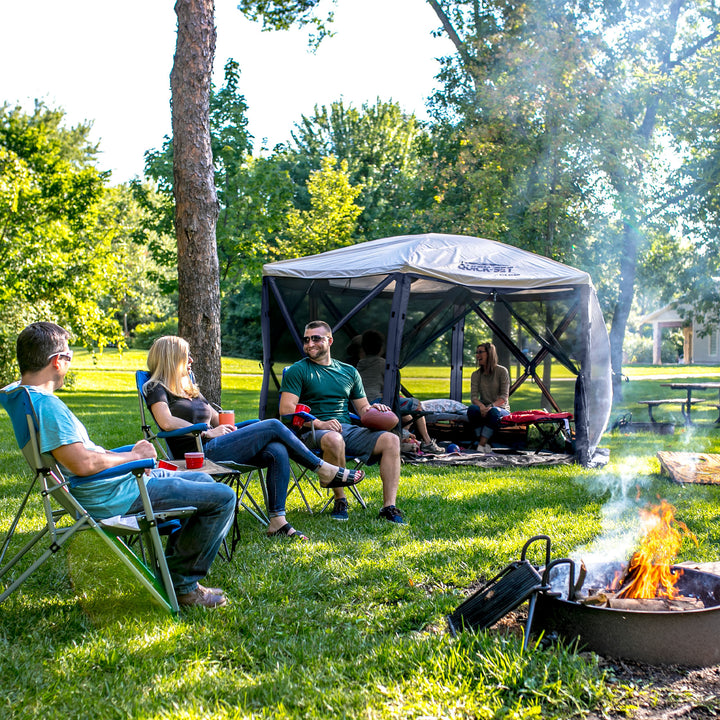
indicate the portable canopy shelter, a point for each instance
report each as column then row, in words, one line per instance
column 416, row 288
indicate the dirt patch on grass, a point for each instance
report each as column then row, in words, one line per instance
column 648, row 692
column 664, row 692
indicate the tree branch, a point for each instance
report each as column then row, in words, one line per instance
column 451, row 33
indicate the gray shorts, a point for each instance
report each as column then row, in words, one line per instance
column 359, row 441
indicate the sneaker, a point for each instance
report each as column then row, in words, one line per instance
column 340, row 509
column 204, row 597
column 487, row 449
column 392, row 514
column 432, row 447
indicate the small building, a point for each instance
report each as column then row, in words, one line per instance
column 698, row 348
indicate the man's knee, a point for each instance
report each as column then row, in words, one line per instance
column 332, row 442
column 388, row 442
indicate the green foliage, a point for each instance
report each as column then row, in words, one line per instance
column 56, row 230
column 282, row 14
column 382, row 147
column 241, row 327
column 552, row 131
column 146, row 334
column 331, row 220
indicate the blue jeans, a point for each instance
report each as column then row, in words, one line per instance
column 267, row 444
column 487, row 425
column 191, row 550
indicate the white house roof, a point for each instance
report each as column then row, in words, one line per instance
column 668, row 313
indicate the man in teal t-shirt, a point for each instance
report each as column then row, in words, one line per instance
column 328, row 386
column 44, row 359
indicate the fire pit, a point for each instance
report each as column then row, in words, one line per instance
column 665, row 637
column 647, row 610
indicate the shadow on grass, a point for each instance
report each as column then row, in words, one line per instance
column 106, row 588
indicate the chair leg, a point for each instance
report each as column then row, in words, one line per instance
column 14, row 523
column 55, row 545
column 295, row 483
column 353, row 491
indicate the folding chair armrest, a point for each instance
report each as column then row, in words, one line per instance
column 287, row 419
column 123, row 448
column 134, row 466
column 189, row 430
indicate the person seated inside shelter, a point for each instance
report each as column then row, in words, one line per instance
column 44, row 359
column 371, row 367
column 175, row 401
column 489, row 394
column 328, row 386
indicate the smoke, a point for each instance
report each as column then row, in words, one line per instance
column 620, row 533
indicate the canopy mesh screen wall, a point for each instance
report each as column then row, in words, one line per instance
column 418, row 289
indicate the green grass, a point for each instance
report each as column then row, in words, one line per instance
column 348, row 625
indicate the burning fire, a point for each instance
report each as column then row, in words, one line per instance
column 649, row 574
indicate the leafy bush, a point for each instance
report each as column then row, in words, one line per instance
column 147, row 333
column 13, row 319
column 637, row 348
column 241, row 328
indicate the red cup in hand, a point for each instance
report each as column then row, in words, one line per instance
column 298, row 421
column 194, row 460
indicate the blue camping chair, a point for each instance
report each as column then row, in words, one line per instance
column 58, row 502
column 237, row 475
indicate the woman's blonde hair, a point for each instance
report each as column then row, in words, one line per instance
column 491, row 358
column 168, row 362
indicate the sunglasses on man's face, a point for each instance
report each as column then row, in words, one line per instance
column 314, row 339
column 63, row 354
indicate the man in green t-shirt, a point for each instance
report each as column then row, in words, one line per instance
column 328, row 386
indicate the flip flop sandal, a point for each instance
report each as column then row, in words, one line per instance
column 284, row 531
column 345, row 478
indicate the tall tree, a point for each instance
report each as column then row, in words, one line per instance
column 57, row 260
column 382, row 147
column 632, row 53
column 196, row 208
column 331, row 220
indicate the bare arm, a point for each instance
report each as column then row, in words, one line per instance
column 167, row 421
column 81, row 462
column 288, row 401
column 362, row 405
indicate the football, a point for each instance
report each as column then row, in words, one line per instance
column 375, row 419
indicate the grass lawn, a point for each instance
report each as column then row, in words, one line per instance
column 350, row 624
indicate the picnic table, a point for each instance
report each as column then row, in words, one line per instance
column 682, row 402
column 689, row 387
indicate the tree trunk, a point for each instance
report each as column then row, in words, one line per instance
column 196, row 206
column 626, row 292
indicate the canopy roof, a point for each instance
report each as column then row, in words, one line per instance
column 417, row 288
column 457, row 259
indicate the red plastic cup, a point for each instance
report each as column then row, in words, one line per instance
column 226, row 417
column 297, row 420
column 194, row 460
column 165, row 465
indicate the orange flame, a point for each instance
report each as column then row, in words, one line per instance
column 649, row 572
